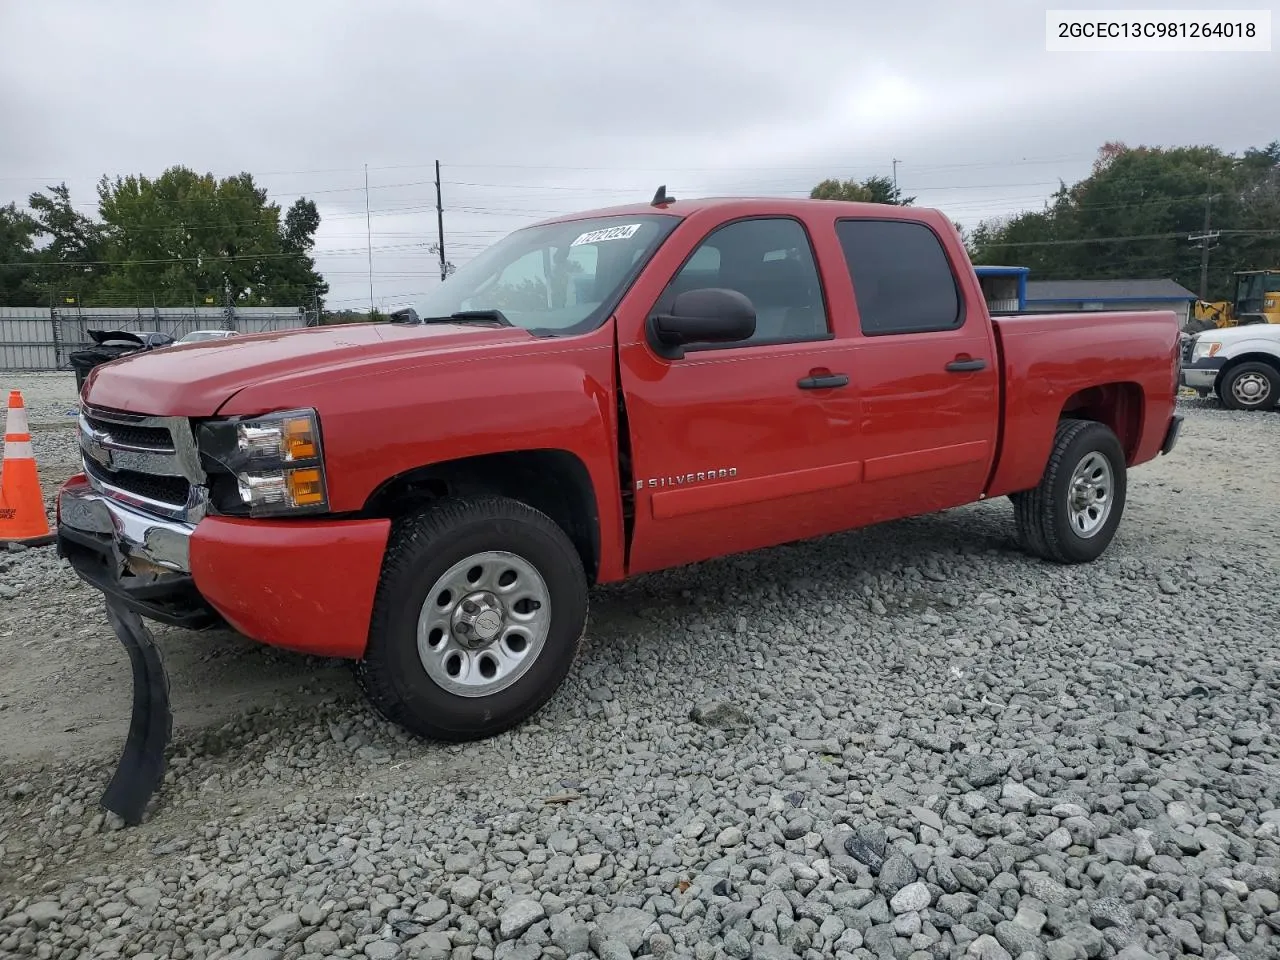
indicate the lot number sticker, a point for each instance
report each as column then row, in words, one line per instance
column 610, row 233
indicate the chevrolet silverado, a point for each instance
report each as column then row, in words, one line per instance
column 592, row 398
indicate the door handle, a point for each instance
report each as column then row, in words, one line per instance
column 966, row 366
column 823, row 382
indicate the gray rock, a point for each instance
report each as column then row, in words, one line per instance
column 518, row 916
column 44, row 912
column 985, row 771
column 1017, row 939
column 987, row 947
column 429, row 946
column 912, row 898
column 729, row 837
column 322, row 943
column 1118, row 849
column 282, row 925
column 896, row 873
column 1109, row 912
column 626, row 925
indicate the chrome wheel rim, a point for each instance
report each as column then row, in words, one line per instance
column 484, row 623
column 1091, row 494
column 1251, row 389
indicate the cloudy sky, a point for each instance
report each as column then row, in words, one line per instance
column 537, row 108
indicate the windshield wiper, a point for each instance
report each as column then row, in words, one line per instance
column 473, row 316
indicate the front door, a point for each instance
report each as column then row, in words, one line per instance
column 739, row 447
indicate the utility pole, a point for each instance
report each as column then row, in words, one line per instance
column 444, row 270
column 1206, row 238
column 368, row 235
column 895, row 180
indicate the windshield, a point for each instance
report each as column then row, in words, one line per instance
column 556, row 279
column 203, row 335
column 1249, row 293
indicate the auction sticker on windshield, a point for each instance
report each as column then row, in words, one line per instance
column 609, row 233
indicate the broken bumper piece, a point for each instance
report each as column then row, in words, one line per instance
column 142, row 763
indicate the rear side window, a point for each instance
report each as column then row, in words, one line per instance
column 901, row 277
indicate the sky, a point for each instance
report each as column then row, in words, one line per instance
column 536, row 109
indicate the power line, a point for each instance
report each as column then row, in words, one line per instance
column 721, row 168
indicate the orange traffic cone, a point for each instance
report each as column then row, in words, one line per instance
column 22, row 517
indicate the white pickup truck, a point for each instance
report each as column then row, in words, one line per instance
column 1239, row 364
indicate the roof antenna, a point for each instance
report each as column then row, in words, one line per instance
column 660, row 199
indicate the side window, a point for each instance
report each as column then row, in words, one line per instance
column 771, row 263
column 901, row 277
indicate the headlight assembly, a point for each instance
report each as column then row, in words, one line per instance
column 1205, row 348
column 276, row 462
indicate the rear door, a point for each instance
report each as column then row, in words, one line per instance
column 927, row 371
column 747, row 445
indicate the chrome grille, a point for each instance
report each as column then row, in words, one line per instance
column 133, row 435
column 150, row 462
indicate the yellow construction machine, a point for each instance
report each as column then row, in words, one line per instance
column 1257, row 300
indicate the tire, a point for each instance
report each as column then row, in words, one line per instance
column 1049, row 526
column 1234, row 389
column 440, row 547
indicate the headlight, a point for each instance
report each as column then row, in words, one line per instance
column 276, row 462
column 1205, row 348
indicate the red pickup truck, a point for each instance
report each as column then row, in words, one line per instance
column 591, row 398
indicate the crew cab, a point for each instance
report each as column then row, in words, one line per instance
column 592, row 398
column 1240, row 365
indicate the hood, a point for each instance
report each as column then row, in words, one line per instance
column 115, row 336
column 1252, row 331
column 195, row 379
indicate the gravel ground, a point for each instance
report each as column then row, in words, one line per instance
column 909, row 742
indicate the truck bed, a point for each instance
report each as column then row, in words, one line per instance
column 1050, row 364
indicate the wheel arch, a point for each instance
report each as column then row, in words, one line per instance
column 553, row 481
column 1121, row 406
column 1270, row 359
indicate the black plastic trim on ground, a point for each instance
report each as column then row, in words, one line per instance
column 142, row 763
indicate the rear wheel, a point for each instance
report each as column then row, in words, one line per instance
column 479, row 612
column 1072, row 516
column 1250, row 386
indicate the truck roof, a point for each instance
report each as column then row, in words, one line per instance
column 741, row 206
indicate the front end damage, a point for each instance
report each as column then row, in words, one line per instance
column 152, row 523
column 125, row 525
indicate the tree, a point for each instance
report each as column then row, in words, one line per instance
column 1135, row 212
column 17, row 258
column 871, row 190
column 297, row 280
column 72, row 257
column 184, row 236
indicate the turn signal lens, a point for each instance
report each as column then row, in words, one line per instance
column 299, row 439
column 284, row 489
column 306, row 487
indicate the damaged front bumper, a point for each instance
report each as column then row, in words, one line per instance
column 304, row 585
column 137, row 559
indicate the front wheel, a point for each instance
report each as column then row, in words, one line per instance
column 1250, row 386
column 478, row 615
column 1072, row 516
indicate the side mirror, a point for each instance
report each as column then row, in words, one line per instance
column 711, row 315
